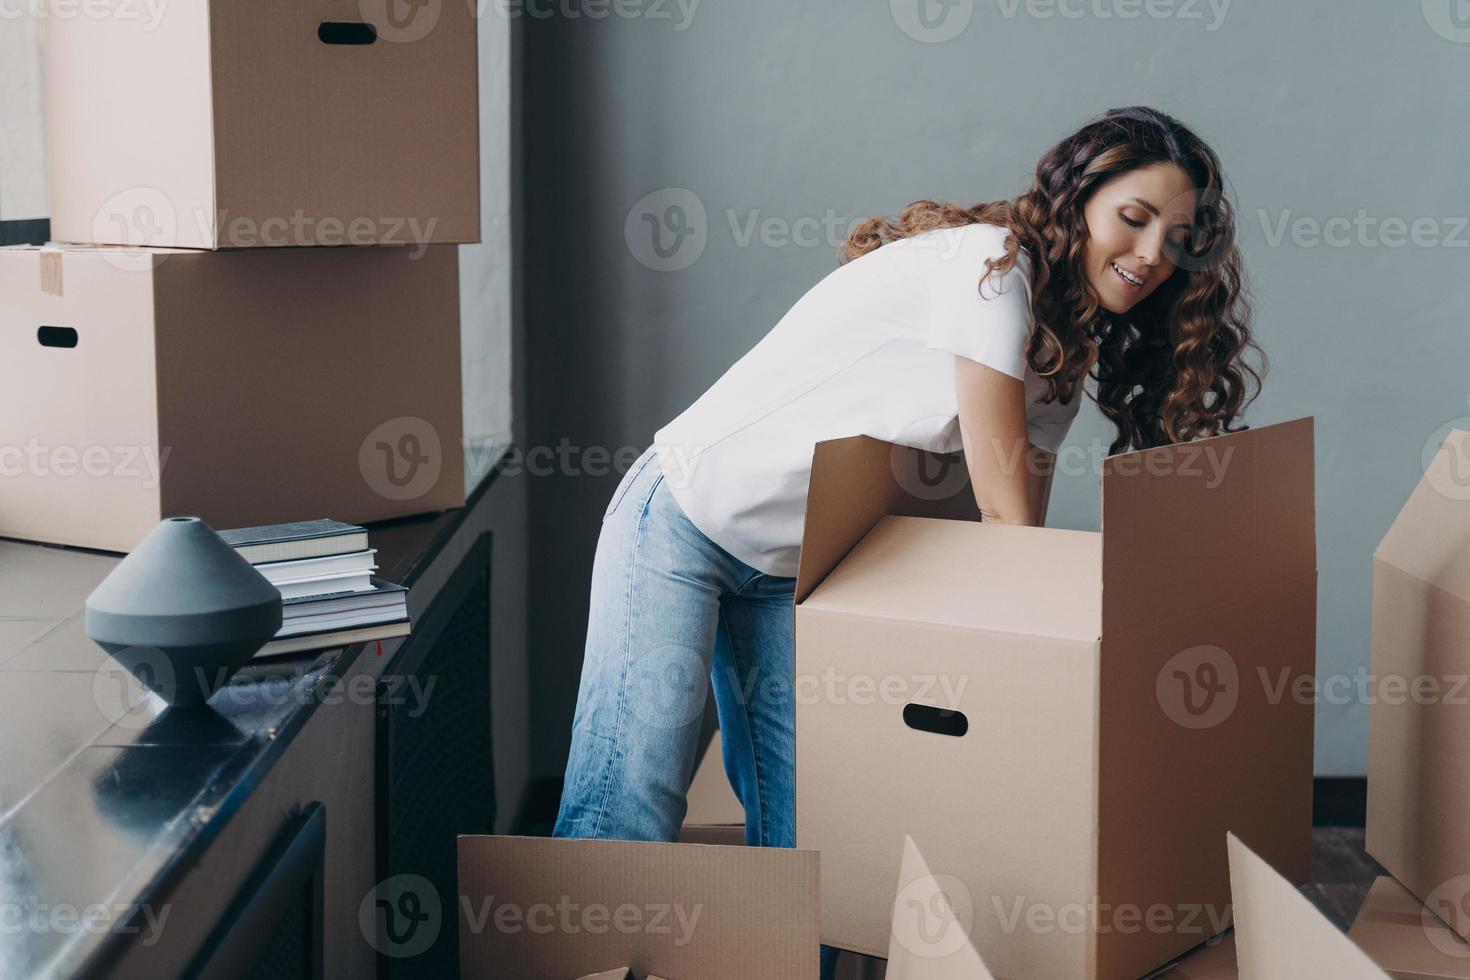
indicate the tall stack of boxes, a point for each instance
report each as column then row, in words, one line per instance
column 250, row 309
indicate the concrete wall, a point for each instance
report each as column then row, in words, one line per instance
column 775, row 124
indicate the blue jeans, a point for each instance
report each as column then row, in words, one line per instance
column 672, row 615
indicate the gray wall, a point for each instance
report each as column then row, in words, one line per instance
column 831, row 111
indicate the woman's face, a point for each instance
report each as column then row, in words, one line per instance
column 1135, row 222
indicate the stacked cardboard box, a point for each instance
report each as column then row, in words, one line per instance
column 164, row 358
column 1416, row 923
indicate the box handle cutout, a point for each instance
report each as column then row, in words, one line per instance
column 346, row 32
column 57, row 336
column 940, row 721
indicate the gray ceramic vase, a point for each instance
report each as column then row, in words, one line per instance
column 183, row 612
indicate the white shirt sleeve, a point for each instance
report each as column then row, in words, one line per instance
column 990, row 325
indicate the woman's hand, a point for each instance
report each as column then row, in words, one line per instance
column 1010, row 478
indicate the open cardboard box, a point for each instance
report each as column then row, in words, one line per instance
column 276, row 122
column 1066, row 721
column 1419, row 722
column 1405, row 938
column 243, row 387
column 556, row 908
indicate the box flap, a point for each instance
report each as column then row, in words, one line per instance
column 552, row 907
column 997, row 577
column 929, row 941
column 1430, row 539
column 621, row 973
column 1279, row 934
column 1405, row 937
column 1204, row 523
column 857, row 480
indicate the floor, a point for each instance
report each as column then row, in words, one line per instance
column 1341, row 873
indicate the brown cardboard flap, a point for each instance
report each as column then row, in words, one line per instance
column 995, row 577
column 1279, row 935
column 551, row 907
column 1214, row 960
column 1405, row 938
column 1199, row 524
column 859, row 479
column 1430, row 539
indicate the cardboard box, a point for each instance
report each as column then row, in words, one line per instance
column 1015, row 699
column 1212, row 960
column 715, row 814
column 1406, row 939
column 1418, row 722
column 216, row 125
column 551, row 907
column 1279, row 934
column 246, row 387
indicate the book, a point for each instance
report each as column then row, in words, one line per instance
column 298, row 539
column 276, row 572
column 384, row 602
column 324, row 585
column 333, row 638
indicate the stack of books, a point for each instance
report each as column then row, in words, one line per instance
column 329, row 597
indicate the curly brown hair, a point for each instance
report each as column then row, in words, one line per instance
column 1173, row 368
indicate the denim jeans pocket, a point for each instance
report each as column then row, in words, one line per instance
column 630, row 478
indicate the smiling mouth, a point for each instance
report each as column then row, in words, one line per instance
column 1128, row 279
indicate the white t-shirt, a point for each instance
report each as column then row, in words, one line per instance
column 868, row 351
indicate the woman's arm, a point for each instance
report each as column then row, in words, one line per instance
column 1011, row 479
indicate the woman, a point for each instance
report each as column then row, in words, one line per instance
column 949, row 327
